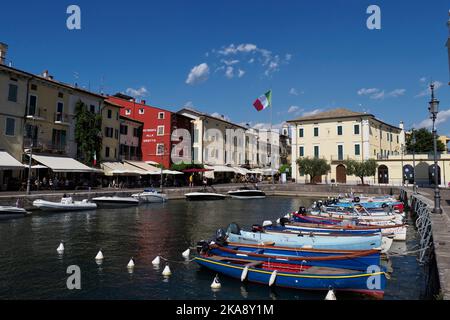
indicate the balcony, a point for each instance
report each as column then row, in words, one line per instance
column 35, row 114
column 61, row 118
column 45, row 146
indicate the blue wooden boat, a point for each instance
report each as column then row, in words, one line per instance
column 355, row 260
column 235, row 234
column 370, row 282
column 322, row 231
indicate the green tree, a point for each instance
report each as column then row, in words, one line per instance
column 314, row 167
column 424, row 142
column 185, row 166
column 88, row 133
column 362, row 169
column 283, row 169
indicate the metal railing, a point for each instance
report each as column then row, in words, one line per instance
column 61, row 117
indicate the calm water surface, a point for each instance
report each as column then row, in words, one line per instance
column 30, row 267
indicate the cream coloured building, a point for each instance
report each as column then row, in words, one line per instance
column 110, row 131
column 340, row 134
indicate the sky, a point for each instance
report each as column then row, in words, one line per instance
column 219, row 56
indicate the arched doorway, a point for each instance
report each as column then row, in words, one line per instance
column 431, row 175
column 383, row 174
column 408, row 173
column 341, row 174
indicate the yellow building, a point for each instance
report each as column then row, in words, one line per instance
column 340, row 134
column 110, row 131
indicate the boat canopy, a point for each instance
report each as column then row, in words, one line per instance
column 63, row 164
column 8, row 162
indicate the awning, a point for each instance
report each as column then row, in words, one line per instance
column 63, row 164
column 122, row 168
column 219, row 168
column 8, row 162
column 143, row 166
column 170, row 172
column 241, row 171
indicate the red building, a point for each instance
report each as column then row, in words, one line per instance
column 157, row 130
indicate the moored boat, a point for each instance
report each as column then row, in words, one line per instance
column 297, row 276
column 115, row 202
column 150, row 196
column 7, row 212
column 199, row 196
column 247, row 193
column 66, row 204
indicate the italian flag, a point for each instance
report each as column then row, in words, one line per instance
column 264, row 101
column 95, row 158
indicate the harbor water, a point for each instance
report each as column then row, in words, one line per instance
column 31, row 268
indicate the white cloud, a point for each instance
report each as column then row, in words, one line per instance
column 293, row 109
column 378, row 95
column 427, row 90
column 220, row 116
column 311, row 113
column 137, row 93
column 423, row 79
column 230, row 62
column 241, row 73
column 293, row 92
column 266, row 126
column 232, row 49
column 397, row 93
column 364, row 91
column 442, row 117
column 288, row 57
column 189, row 104
column 251, row 60
column 229, row 73
column 198, row 74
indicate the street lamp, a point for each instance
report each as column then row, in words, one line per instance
column 413, row 143
column 434, row 109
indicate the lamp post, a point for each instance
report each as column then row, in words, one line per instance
column 413, row 143
column 434, row 109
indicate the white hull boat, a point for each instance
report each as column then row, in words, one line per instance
column 115, row 202
column 12, row 212
column 199, row 196
column 150, row 197
column 66, row 204
column 246, row 193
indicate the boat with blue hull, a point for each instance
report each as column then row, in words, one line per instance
column 370, row 282
column 355, row 260
column 235, row 234
column 321, row 231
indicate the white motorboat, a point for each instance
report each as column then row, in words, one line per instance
column 247, row 193
column 115, row 202
column 66, row 204
column 199, row 196
column 150, row 196
column 12, row 212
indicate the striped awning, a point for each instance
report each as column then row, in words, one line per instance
column 122, row 169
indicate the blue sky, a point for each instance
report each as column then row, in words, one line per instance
column 314, row 55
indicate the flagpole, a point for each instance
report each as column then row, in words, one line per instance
column 271, row 142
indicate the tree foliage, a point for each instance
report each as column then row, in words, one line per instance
column 185, row 166
column 88, row 133
column 361, row 169
column 285, row 168
column 314, row 167
column 424, row 142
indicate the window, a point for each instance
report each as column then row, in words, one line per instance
column 391, row 137
column 116, row 133
column 135, row 132
column 109, row 132
column 357, row 150
column 60, row 95
column 106, row 152
column 160, row 149
column 161, row 115
column 339, row 130
column 59, row 111
column 92, row 108
column 10, row 127
column 123, row 129
column 109, row 114
column 302, row 151
column 316, row 132
column 59, row 139
column 117, row 115
column 33, row 87
column 12, row 93
column 32, row 107
column 128, row 112
column 356, row 129
column 316, row 151
column 397, row 139
column 340, row 152
column 300, row 133
column 141, row 111
column 160, row 130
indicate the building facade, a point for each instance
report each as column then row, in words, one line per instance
column 130, row 139
column 111, row 123
column 340, row 134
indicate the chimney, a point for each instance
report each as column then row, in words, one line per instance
column 45, row 74
column 143, row 101
column 3, row 52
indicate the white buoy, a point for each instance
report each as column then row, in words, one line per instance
column 166, row 272
column 186, row 253
column 156, row 261
column 267, row 223
column 60, row 249
column 216, row 283
column 131, row 264
column 244, row 274
column 99, row 256
column 278, row 221
column 330, row 295
column 272, row 278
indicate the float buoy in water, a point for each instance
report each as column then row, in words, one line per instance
column 131, row 264
column 186, row 253
column 99, row 256
column 216, row 283
column 244, row 274
column 273, row 278
column 156, row 261
column 166, row 272
column 60, row 249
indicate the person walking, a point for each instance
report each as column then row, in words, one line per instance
column 191, row 180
